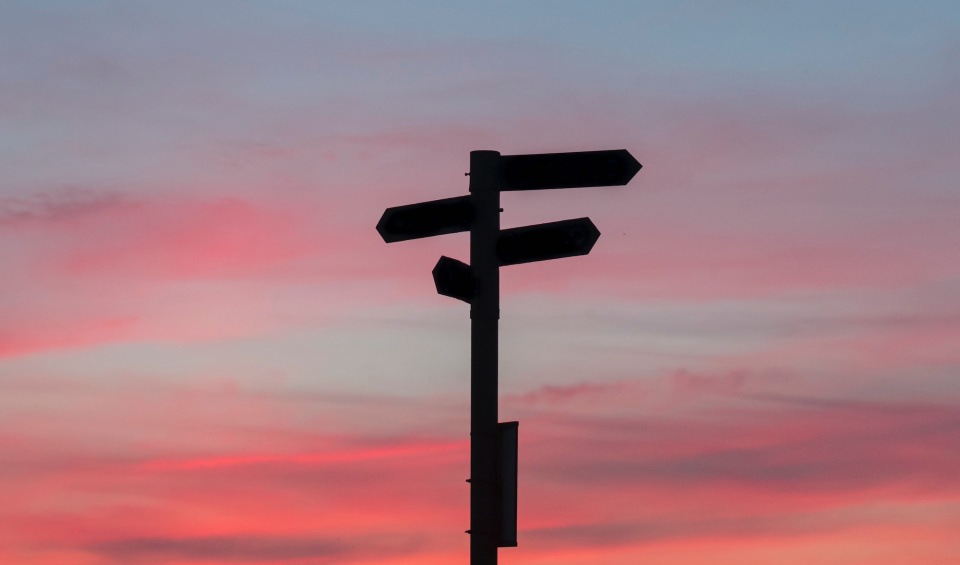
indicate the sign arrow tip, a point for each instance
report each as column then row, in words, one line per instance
column 632, row 166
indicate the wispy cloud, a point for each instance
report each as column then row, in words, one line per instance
column 406, row 449
column 57, row 208
column 257, row 549
column 629, row 463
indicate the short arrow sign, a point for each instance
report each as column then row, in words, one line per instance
column 567, row 170
column 426, row 219
column 455, row 279
column 546, row 241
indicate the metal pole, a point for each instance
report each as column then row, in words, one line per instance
column 484, row 316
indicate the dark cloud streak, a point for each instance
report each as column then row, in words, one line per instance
column 254, row 549
column 56, row 206
column 802, row 445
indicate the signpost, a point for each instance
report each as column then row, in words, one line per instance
column 493, row 444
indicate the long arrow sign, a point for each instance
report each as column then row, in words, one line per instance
column 567, row 170
column 542, row 242
column 426, row 219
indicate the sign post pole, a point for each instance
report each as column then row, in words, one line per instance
column 484, row 319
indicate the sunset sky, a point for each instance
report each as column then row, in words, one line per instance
column 208, row 356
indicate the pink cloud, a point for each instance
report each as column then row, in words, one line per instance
column 407, row 449
column 220, row 238
column 660, row 262
column 607, row 472
column 864, row 347
column 556, row 394
column 90, row 268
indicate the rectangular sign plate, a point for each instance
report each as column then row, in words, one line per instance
column 508, row 483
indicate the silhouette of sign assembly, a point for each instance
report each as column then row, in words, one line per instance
column 493, row 444
column 426, row 219
column 542, row 242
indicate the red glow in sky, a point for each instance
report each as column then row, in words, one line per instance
column 208, row 355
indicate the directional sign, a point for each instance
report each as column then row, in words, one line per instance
column 426, row 219
column 546, row 241
column 455, row 279
column 567, row 170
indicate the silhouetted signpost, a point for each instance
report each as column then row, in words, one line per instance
column 493, row 445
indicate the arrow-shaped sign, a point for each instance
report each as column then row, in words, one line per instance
column 567, row 170
column 546, row 241
column 426, row 219
column 455, row 279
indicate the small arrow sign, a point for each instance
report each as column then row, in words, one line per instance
column 546, row 241
column 426, row 219
column 568, row 170
column 455, row 279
